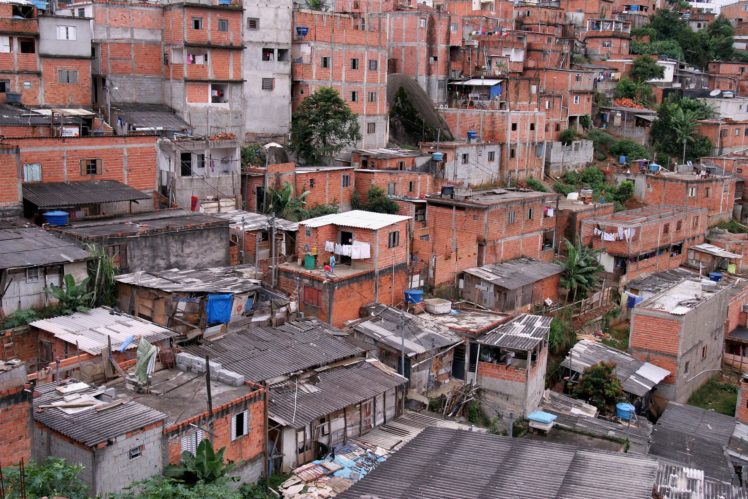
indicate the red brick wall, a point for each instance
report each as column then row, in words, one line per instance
column 9, row 192
column 741, row 409
column 130, row 160
column 650, row 335
column 407, row 184
column 675, row 192
column 15, row 426
column 501, row 371
column 66, row 94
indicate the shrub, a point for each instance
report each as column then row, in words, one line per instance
column 536, row 185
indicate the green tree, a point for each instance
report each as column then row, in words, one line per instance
column 580, row 270
column 159, row 487
column 663, row 133
column 684, row 128
column 646, row 68
column 623, row 192
column 205, row 466
column 101, row 272
column 322, row 126
column 567, row 136
column 639, row 91
column 561, row 337
column 72, row 297
column 253, row 154
column 721, row 39
column 285, row 204
column 600, row 387
column 377, row 200
column 51, row 478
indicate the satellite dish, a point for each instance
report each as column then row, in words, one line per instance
column 715, row 92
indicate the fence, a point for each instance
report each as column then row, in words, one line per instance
column 597, row 300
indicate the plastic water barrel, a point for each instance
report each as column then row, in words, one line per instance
column 472, row 135
column 621, row 159
column 309, row 261
column 715, row 276
column 624, row 411
column 413, row 296
column 56, row 218
column 437, row 156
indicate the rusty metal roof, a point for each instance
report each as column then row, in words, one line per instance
column 213, row 280
column 515, row 274
column 70, row 194
column 523, row 333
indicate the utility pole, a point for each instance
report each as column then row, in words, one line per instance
column 272, row 249
column 402, row 343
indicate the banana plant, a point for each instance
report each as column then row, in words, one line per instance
column 72, row 297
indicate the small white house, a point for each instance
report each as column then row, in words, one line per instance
column 30, row 261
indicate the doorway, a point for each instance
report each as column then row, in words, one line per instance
column 346, row 238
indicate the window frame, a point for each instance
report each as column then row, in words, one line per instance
column 223, row 23
column 235, row 418
column 253, row 21
column 393, row 239
column 87, row 163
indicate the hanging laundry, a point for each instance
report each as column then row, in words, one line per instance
column 620, row 233
column 549, row 212
column 330, row 246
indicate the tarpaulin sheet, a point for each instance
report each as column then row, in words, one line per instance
column 219, row 308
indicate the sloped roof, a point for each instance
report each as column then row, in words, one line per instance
column 151, row 116
column 359, row 219
column 250, row 221
column 515, row 274
column 70, row 194
column 522, row 333
column 34, row 247
column 636, row 376
column 213, row 280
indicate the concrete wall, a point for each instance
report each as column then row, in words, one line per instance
column 479, row 169
column 46, row 444
column 22, row 293
column 50, row 45
column 114, row 468
column 189, row 249
column 560, row 158
column 267, row 115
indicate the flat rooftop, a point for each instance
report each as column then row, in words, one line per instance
column 683, row 297
column 579, row 206
column 491, row 197
column 465, row 321
column 158, row 222
column 359, row 219
column 641, row 216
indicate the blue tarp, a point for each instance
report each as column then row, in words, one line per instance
column 218, row 309
column 541, row 417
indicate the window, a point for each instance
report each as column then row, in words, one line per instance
column 135, row 452
column 433, row 59
column 312, row 182
column 197, row 58
column 67, row 76
column 325, row 62
column 81, row 12
column 512, row 152
column 576, row 99
column 532, row 126
column 607, row 45
column 737, row 132
column 66, row 32
column 685, row 368
column 190, row 441
column 695, row 223
column 4, row 86
column 239, row 425
column 354, row 96
column 692, row 192
column 371, row 128
column 4, row 44
column 32, row 274
column 411, row 186
column 223, row 25
column 219, row 93
column 422, row 22
column 312, row 296
column 703, row 352
column 354, row 63
column 491, row 156
column 268, row 83
column 707, row 191
column 548, row 104
column 393, row 239
column 391, row 189
column 253, row 23
column 465, row 158
column 514, row 127
column 530, row 213
column 91, row 166
column 578, row 77
column 268, row 55
column 511, row 217
column 678, row 225
column 27, row 45
column 308, row 232
column 185, row 164
column 373, row 64
column 32, row 172
column 401, row 165
column 197, row 23
column 283, row 55
column 346, row 180
column 199, row 161
column 372, row 96
column 666, row 228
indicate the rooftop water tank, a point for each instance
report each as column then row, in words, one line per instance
column 413, row 296
column 624, row 411
column 56, row 218
column 437, row 156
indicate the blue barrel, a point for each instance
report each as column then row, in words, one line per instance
column 472, row 135
column 624, row 411
column 437, row 156
column 302, row 30
column 622, row 160
column 715, row 276
column 413, row 296
column 56, row 218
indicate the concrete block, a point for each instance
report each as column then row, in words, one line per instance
column 230, row 377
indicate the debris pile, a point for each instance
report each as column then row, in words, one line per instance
column 333, row 474
column 458, row 399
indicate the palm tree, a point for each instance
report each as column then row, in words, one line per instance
column 684, row 126
column 284, row 204
column 580, row 270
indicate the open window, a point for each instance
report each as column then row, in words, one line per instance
column 27, row 45
column 218, row 93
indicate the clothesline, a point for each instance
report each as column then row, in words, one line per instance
column 357, row 250
column 621, row 235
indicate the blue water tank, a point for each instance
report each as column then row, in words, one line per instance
column 302, row 31
column 56, row 218
column 715, row 276
column 413, row 296
column 622, row 160
column 624, row 411
column 472, row 135
column 437, row 156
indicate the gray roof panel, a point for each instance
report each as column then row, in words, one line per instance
column 34, row 247
column 522, row 333
column 213, row 280
column 515, row 274
column 70, row 194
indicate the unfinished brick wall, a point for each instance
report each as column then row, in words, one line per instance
column 655, row 339
column 15, row 417
column 716, row 194
column 741, row 408
column 59, row 93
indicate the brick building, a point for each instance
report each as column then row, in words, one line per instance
column 396, row 183
column 645, row 240
column 472, row 229
column 19, row 58
column 682, row 330
column 606, row 39
column 714, row 191
column 348, row 54
column 372, row 252
column 468, row 164
column 15, row 408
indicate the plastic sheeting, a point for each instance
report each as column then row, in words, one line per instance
column 218, row 308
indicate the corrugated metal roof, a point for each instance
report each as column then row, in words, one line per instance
column 442, row 462
column 515, row 274
column 264, row 353
column 296, row 404
column 661, row 280
column 91, row 427
column 150, row 116
column 397, row 432
column 33, row 247
column 213, row 280
column 680, row 482
column 162, row 221
column 714, row 250
column 383, row 325
column 250, row 221
column 69, row 194
column 636, row 376
column 694, row 437
column 359, row 219
column 522, row 333
column 91, row 329
column 14, row 115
